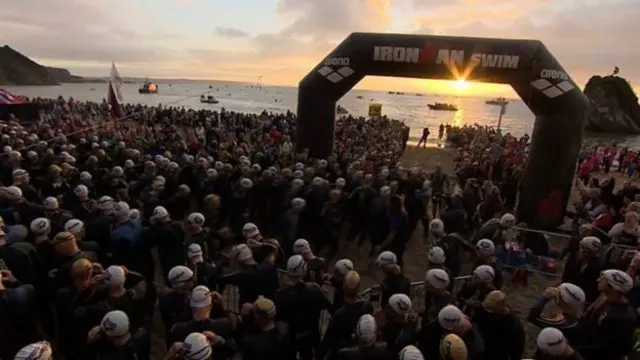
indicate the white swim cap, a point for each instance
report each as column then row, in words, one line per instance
column 179, row 274
column 343, row 266
column 507, row 220
column 159, row 212
column 40, row 226
column 618, row 280
column 436, row 227
column 571, row 294
column 51, row 203
column 400, row 303
column 195, row 218
column 196, row 346
column 194, row 250
column 296, row 265
column 437, row 278
column 74, row 226
column 114, row 275
column 450, row 317
column 484, row 273
column 115, row 323
column 366, row 330
column 436, row 255
column 81, row 191
column 410, row 352
column 386, row 258
column 486, row 246
column 36, row 351
column 121, row 210
column 591, row 243
column 301, row 246
column 551, row 341
column 250, row 230
column 200, row 297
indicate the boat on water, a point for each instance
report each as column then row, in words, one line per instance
column 148, row 88
column 497, row 101
column 208, row 99
column 442, row 107
column 359, row 97
column 341, row 111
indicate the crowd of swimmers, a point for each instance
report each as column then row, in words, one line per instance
column 123, row 241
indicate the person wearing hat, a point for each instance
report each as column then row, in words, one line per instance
column 207, row 314
column 398, row 323
column 195, row 233
column 168, row 238
column 260, row 336
column 452, row 347
column 436, row 284
column 316, row 266
column 367, row 346
column 128, row 299
column 336, row 278
column 300, row 306
column 486, row 255
column 67, row 252
column 474, row 290
column 113, row 337
column 502, row 331
column 584, row 269
column 84, row 278
column 610, row 321
column 344, row 320
column 437, row 259
column 551, row 344
column 450, row 320
column 40, row 350
column 171, row 302
column 571, row 301
column 205, row 272
column 394, row 281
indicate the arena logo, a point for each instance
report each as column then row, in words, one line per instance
column 553, row 83
column 553, row 74
column 457, row 58
column 336, row 69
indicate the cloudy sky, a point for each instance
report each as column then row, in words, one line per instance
column 281, row 40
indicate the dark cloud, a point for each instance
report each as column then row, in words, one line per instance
column 230, row 32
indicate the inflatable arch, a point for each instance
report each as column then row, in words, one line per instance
column 527, row 65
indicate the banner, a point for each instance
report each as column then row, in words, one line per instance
column 375, row 109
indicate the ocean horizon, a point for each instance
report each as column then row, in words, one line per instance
column 410, row 108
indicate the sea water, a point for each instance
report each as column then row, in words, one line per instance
column 410, row 108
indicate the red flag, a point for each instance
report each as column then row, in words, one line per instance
column 114, row 95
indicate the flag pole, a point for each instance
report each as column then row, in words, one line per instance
column 503, row 110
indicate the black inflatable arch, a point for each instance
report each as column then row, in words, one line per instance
column 527, row 65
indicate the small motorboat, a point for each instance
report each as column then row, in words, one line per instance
column 359, row 97
column 341, row 111
column 497, row 101
column 208, row 99
column 148, row 88
column 442, row 107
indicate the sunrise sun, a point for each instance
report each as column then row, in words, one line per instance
column 460, row 84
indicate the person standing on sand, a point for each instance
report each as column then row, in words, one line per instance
column 423, row 139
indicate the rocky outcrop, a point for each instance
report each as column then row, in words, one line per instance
column 64, row 76
column 17, row 69
column 614, row 105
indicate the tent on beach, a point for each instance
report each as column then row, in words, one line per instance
column 17, row 105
